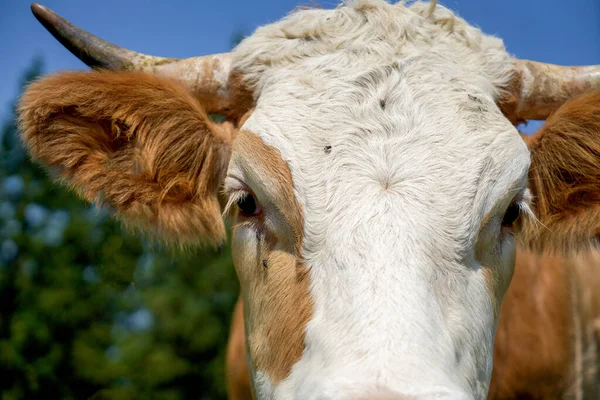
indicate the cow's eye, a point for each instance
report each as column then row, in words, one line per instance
column 512, row 214
column 248, row 205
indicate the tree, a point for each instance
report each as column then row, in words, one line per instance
column 88, row 309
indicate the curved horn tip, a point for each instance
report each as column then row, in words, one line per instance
column 36, row 7
column 93, row 51
column 39, row 10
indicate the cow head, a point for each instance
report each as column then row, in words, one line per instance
column 375, row 178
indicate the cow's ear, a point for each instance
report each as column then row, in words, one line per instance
column 565, row 177
column 135, row 142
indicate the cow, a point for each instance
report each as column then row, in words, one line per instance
column 378, row 189
column 546, row 344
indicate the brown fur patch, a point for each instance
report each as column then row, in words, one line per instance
column 273, row 277
column 238, row 375
column 586, row 285
column 533, row 345
column 139, row 143
column 565, row 177
column 270, row 168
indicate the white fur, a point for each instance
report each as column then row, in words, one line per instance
column 393, row 214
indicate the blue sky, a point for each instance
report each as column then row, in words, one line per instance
column 558, row 31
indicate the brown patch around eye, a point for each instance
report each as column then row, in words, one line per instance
column 280, row 307
column 274, row 280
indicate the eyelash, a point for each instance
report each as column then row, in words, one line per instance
column 521, row 205
column 235, row 197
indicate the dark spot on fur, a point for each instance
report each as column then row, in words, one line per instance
column 265, row 264
column 327, row 149
column 382, row 104
column 475, row 99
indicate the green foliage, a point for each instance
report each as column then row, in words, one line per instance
column 90, row 310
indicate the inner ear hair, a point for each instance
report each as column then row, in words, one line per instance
column 137, row 142
column 565, row 178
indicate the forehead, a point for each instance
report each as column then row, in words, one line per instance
column 357, row 68
column 322, row 49
column 389, row 97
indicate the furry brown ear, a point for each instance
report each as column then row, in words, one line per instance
column 565, row 177
column 139, row 143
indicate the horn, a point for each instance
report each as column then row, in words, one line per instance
column 542, row 88
column 206, row 76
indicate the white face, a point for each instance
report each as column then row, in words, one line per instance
column 401, row 169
